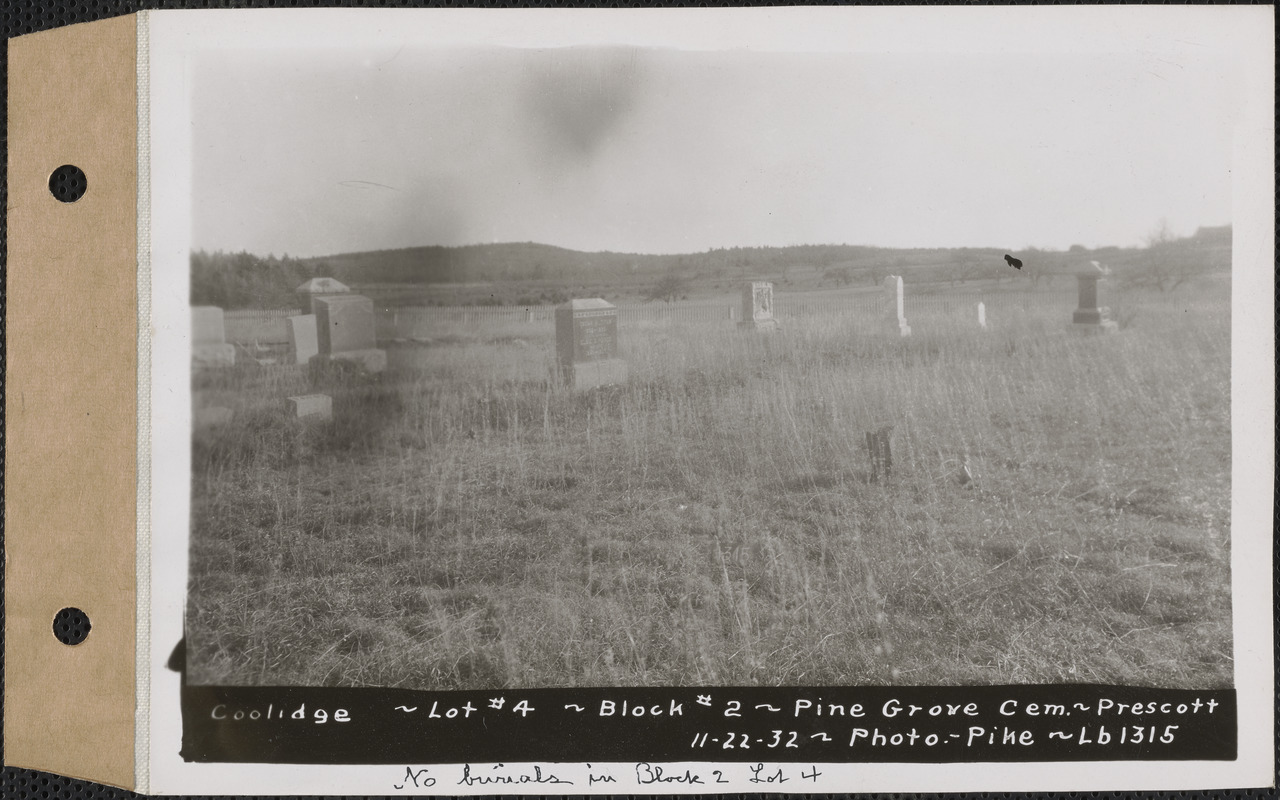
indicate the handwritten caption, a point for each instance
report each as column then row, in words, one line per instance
column 640, row 774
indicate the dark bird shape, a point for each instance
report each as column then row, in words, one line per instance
column 1013, row 262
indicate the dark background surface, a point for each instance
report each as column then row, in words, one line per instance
column 21, row 18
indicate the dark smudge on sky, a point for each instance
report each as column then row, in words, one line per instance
column 577, row 98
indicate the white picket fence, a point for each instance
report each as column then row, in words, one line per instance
column 257, row 326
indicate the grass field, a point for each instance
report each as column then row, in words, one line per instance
column 462, row 523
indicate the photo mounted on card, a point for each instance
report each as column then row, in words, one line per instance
column 799, row 400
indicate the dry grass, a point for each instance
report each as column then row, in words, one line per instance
column 463, row 524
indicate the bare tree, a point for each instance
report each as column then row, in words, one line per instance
column 840, row 276
column 1168, row 262
column 669, row 288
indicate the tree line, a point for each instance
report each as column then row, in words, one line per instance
column 530, row 271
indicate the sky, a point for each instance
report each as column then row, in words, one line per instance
column 650, row 150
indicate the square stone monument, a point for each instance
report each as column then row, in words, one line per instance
column 1091, row 315
column 757, row 307
column 303, row 338
column 982, row 315
column 318, row 407
column 896, row 319
column 587, row 344
column 316, row 288
column 345, row 331
column 209, row 347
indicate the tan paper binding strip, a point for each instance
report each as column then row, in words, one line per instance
column 70, row 402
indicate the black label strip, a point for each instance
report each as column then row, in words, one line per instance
column 1073, row 722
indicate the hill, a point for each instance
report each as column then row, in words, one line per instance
column 526, row 273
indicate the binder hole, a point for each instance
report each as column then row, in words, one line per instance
column 68, row 183
column 71, row 626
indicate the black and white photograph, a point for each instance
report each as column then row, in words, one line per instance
column 617, row 364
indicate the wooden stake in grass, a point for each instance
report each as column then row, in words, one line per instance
column 880, row 450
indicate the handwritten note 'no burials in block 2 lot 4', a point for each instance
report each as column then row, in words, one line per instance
column 587, row 344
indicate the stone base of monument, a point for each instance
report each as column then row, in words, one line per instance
column 1094, row 320
column 317, row 407
column 369, row 360
column 898, row 326
column 590, row 374
column 762, row 325
column 206, row 356
column 210, row 416
column 1105, row 326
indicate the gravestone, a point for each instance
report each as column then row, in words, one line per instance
column 303, row 338
column 1092, row 315
column 757, row 307
column 316, row 288
column 209, row 347
column 982, row 316
column 587, row 344
column 896, row 318
column 317, row 407
column 345, row 331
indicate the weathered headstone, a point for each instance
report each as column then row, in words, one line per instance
column 880, row 452
column 1091, row 315
column 316, row 288
column 345, row 331
column 303, row 338
column 313, row 406
column 896, row 319
column 587, row 344
column 982, row 316
column 209, row 347
column 757, row 307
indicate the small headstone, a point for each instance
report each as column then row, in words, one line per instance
column 896, row 319
column 880, row 451
column 587, row 344
column 316, row 288
column 303, row 338
column 1091, row 315
column 211, row 416
column 982, row 316
column 757, row 307
column 209, row 347
column 313, row 406
column 345, row 331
